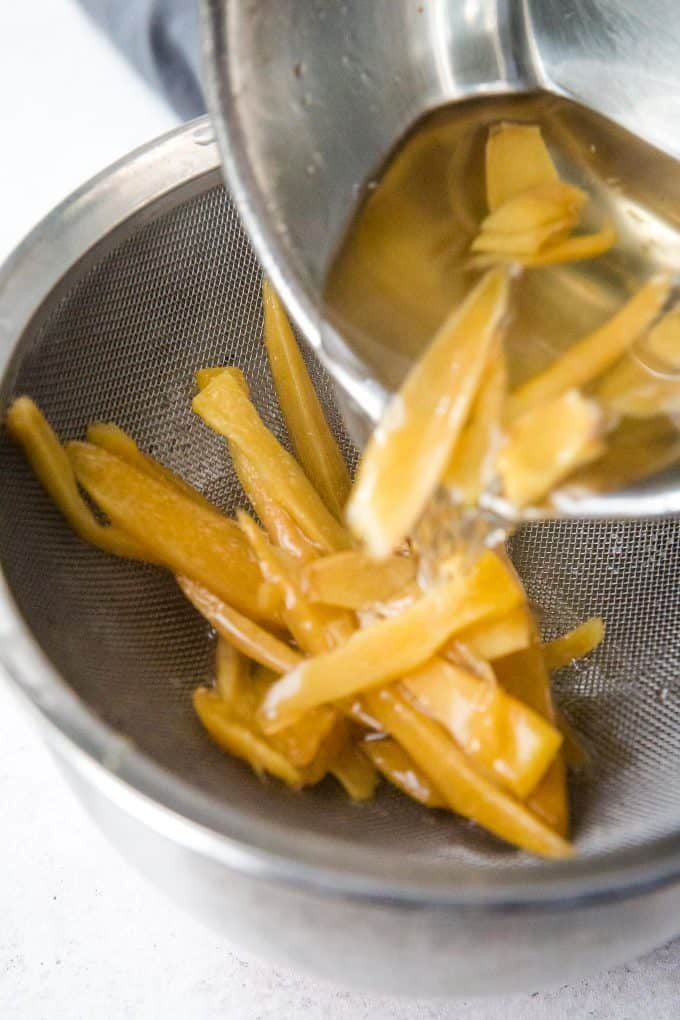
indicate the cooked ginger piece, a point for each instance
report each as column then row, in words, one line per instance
column 549, row 801
column 329, row 747
column 506, row 738
column 278, row 523
column 110, row 437
column 546, row 444
column 493, row 639
column 407, row 454
column 536, row 207
column 311, row 436
column 315, row 628
column 646, row 382
column 241, row 741
column 351, row 579
column 29, row 427
column 570, row 249
column 244, row 634
column 574, row 644
column 312, row 742
column 355, row 772
column 225, row 408
column 205, row 376
column 308, row 745
column 575, row 248
column 532, row 212
column 524, row 675
column 390, row 648
column 522, row 242
column 462, row 657
column 466, row 790
column 517, row 160
column 472, row 465
column 596, row 352
column 399, row 768
column 186, row 537
column 242, row 692
column 232, row 677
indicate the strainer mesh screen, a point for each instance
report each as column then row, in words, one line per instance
column 123, row 343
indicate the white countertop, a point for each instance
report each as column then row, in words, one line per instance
column 81, row 934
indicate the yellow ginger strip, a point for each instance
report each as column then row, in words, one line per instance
column 524, row 242
column 355, row 772
column 248, row 637
column 466, row 790
column 646, row 382
column 594, row 353
column 393, row 647
column 495, row 638
column 225, row 408
column 472, row 465
column 573, row 249
column 536, row 207
column 241, row 741
column 399, row 768
column 205, row 376
column 574, row 644
column 547, row 443
column 517, row 160
column 501, row 734
column 29, row 427
column 187, row 537
column 278, row 523
column 115, row 440
column 351, row 579
column 309, row 431
column 232, row 675
column 310, row 741
column 407, row 454
column 315, row 628
column 524, row 675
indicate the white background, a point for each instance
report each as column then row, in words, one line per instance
column 81, row 935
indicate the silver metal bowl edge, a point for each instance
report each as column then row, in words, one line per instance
column 355, row 919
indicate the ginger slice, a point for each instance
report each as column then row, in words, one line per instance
column 409, row 449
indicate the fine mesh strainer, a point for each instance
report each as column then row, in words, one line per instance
column 106, row 312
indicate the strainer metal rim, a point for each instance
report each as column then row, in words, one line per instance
column 139, row 187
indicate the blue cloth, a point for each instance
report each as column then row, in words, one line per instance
column 161, row 38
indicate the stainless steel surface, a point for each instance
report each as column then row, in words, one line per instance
column 106, row 311
column 310, row 99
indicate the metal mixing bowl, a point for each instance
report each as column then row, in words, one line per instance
column 106, row 310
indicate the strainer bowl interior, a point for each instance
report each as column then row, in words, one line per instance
column 120, row 339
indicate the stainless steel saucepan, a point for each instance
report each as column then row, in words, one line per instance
column 311, row 98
